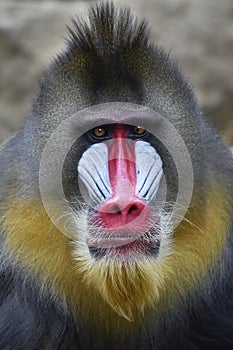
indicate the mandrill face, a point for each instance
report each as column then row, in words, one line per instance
column 121, row 172
column 120, row 189
column 120, row 231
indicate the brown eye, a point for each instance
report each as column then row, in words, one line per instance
column 138, row 130
column 99, row 132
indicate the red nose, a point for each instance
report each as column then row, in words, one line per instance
column 124, row 208
column 115, row 214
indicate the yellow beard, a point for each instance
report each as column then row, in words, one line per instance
column 127, row 287
column 90, row 287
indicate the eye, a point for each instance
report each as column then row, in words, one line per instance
column 99, row 132
column 138, row 131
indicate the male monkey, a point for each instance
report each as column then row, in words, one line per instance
column 121, row 258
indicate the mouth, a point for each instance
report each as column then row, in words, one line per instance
column 125, row 246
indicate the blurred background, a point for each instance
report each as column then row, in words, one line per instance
column 197, row 33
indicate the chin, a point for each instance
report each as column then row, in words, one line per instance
column 125, row 271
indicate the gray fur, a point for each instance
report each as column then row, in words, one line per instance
column 101, row 65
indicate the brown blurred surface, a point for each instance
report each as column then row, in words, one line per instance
column 199, row 35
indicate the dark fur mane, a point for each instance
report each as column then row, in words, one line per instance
column 107, row 30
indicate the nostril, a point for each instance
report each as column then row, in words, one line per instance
column 132, row 209
column 115, row 209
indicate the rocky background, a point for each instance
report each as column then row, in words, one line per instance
column 197, row 33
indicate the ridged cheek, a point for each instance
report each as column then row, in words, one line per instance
column 104, row 165
column 148, row 169
column 93, row 171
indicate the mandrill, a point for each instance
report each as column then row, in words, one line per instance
column 116, row 204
